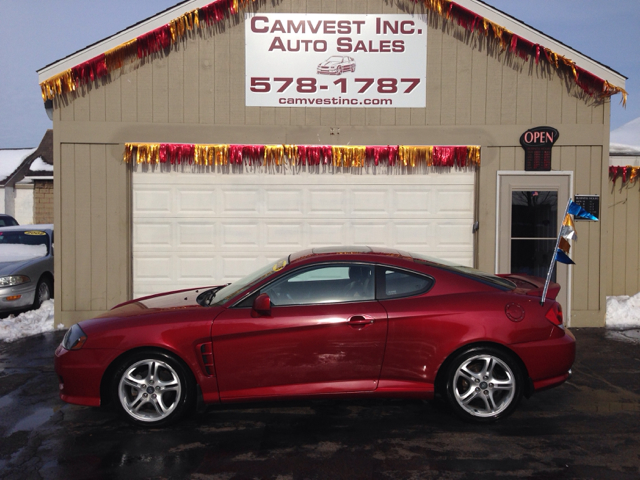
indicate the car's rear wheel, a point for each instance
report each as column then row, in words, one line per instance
column 152, row 389
column 484, row 384
column 44, row 289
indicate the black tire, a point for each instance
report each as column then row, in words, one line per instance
column 484, row 384
column 44, row 291
column 152, row 389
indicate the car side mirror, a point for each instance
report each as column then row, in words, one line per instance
column 262, row 305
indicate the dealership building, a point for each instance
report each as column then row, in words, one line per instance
column 197, row 145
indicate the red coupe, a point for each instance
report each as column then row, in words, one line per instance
column 326, row 322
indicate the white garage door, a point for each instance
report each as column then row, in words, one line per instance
column 197, row 229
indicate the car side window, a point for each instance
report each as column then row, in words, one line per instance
column 394, row 283
column 324, row 284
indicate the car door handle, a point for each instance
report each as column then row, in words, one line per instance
column 360, row 320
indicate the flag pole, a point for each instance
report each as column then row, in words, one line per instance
column 553, row 257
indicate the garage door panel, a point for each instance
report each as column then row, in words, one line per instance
column 192, row 230
column 284, row 202
column 198, row 201
column 373, row 201
column 327, row 233
column 235, row 267
column 195, row 269
column 284, row 235
column 327, row 201
column 200, row 234
column 243, row 201
column 154, row 267
column 415, row 236
column 240, row 235
column 372, row 233
column 413, row 201
column 154, row 235
column 453, row 201
column 150, row 199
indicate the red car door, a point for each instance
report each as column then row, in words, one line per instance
column 325, row 333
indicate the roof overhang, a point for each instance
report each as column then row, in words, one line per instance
column 475, row 6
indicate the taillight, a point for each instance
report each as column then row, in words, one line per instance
column 554, row 315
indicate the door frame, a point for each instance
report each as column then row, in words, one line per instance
column 510, row 173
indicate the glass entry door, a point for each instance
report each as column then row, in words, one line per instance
column 530, row 211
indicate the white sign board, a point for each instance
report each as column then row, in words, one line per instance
column 334, row 60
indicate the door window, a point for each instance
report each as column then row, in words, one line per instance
column 324, row 284
column 533, row 231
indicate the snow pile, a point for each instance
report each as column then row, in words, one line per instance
column 627, row 134
column 15, row 252
column 11, row 159
column 623, row 311
column 29, row 323
column 39, row 165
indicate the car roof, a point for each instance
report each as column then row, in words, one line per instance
column 20, row 228
column 360, row 250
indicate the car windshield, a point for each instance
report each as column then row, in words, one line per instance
column 334, row 59
column 23, row 245
column 231, row 290
column 483, row 277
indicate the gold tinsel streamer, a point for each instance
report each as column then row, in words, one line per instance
column 410, row 156
column 352, row 156
column 119, row 56
column 58, row 85
column 342, row 156
column 273, row 154
column 291, row 152
column 473, row 154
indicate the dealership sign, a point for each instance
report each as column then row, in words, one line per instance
column 333, row 60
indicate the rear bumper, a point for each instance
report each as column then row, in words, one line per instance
column 549, row 361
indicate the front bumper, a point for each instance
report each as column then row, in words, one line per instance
column 26, row 292
column 80, row 374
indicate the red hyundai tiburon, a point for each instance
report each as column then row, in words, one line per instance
column 344, row 321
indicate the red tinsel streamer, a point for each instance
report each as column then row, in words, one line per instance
column 235, row 154
column 214, row 12
column 590, row 83
column 465, row 17
column 327, row 154
column 154, row 41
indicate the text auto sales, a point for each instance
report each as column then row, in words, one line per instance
column 260, row 24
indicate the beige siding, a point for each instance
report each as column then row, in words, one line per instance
column 475, row 95
column 624, row 207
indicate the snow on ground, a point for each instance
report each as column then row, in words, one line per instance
column 623, row 311
column 29, row 323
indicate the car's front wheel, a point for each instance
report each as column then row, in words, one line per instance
column 44, row 291
column 152, row 389
column 484, row 384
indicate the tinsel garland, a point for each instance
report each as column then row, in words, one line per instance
column 308, row 155
column 627, row 173
column 163, row 37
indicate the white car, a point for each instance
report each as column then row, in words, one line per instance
column 26, row 266
column 336, row 65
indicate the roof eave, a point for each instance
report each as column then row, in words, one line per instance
column 497, row 16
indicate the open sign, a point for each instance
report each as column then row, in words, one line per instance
column 539, row 137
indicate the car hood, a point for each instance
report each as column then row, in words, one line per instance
column 162, row 302
column 9, row 268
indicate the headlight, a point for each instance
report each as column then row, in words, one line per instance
column 11, row 280
column 74, row 338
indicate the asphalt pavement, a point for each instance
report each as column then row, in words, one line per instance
column 588, row 428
